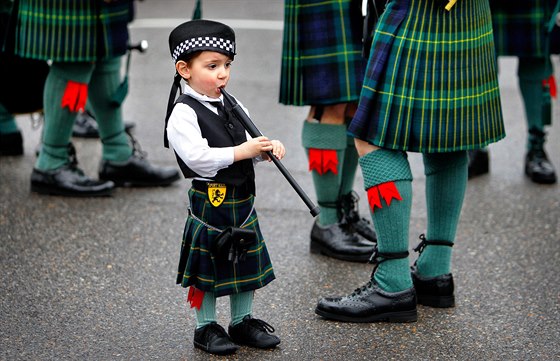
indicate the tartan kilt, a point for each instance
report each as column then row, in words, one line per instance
column 520, row 27
column 431, row 82
column 197, row 265
column 322, row 59
column 72, row 31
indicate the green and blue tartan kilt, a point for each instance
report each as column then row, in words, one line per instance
column 197, row 265
column 520, row 27
column 72, row 31
column 322, row 59
column 431, row 82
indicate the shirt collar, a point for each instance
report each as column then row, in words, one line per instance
column 200, row 97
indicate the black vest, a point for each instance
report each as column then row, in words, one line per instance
column 221, row 132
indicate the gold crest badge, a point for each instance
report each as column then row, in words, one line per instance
column 216, row 193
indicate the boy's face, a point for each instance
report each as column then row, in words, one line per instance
column 206, row 73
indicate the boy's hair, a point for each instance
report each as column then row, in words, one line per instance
column 199, row 35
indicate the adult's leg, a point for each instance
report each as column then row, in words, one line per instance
column 536, row 98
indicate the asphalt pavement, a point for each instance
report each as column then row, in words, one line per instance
column 94, row 279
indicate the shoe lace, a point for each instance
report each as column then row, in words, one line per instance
column 359, row 290
column 136, row 148
column 261, row 325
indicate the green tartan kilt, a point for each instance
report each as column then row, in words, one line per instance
column 322, row 59
column 431, row 82
column 72, row 31
column 197, row 265
column 520, row 27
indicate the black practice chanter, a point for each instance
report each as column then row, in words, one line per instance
column 254, row 132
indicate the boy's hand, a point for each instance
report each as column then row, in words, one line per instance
column 277, row 149
column 252, row 148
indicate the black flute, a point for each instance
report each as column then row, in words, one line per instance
column 254, row 132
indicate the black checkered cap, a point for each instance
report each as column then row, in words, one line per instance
column 199, row 35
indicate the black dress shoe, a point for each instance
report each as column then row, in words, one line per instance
column 137, row 172
column 539, row 168
column 254, row 333
column 69, row 180
column 351, row 217
column 478, row 162
column 11, row 144
column 337, row 242
column 85, row 126
column 213, row 339
column 370, row 304
column 434, row 291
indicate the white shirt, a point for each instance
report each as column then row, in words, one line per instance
column 186, row 139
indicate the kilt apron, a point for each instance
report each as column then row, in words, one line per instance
column 197, row 265
column 322, row 59
column 72, row 31
column 431, row 81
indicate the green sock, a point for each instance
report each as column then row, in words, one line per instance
column 390, row 221
column 207, row 312
column 446, row 183
column 531, row 72
column 326, row 137
column 241, row 305
column 7, row 121
column 104, row 82
column 57, row 128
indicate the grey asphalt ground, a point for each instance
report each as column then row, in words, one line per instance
column 94, row 279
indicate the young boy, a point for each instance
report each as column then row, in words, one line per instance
column 213, row 148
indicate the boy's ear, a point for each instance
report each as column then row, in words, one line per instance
column 183, row 69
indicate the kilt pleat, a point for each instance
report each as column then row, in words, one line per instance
column 431, row 82
column 197, row 265
column 72, row 31
column 322, row 59
column 520, row 27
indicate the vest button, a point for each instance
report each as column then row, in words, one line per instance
column 230, row 125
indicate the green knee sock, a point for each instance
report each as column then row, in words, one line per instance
column 532, row 71
column 104, row 82
column 326, row 137
column 241, row 305
column 446, row 183
column 391, row 221
column 57, row 129
column 7, row 121
column 207, row 312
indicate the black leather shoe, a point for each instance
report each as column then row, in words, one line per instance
column 337, row 242
column 11, row 144
column 351, row 217
column 539, row 168
column 137, row 172
column 254, row 333
column 85, row 126
column 434, row 291
column 68, row 180
column 370, row 304
column 213, row 339
column 479, row 162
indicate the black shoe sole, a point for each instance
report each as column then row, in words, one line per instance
column 436, row 301
column 393, row 317
column 228, row 351
column 316, row 248
column 42, row 189
column 263, row 347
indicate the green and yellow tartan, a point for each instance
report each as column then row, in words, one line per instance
column 520, row 27
column 197, row 265
column 72, row 31
column 431, row 83
column 322, row 59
